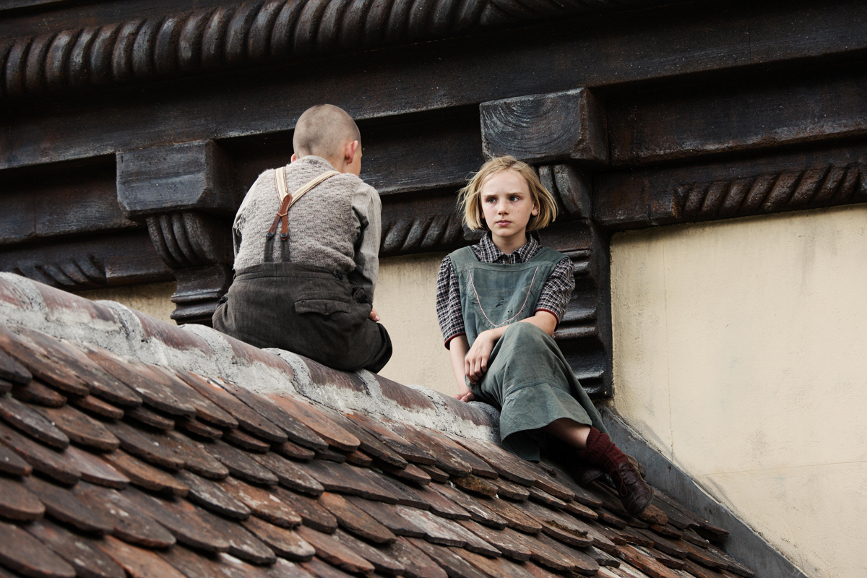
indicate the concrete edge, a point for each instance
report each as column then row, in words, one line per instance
column 743, row 543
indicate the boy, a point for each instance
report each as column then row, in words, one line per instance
column 309, row 288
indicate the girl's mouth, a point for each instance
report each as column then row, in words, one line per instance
column 504, row 223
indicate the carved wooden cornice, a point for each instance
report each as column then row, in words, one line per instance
column 773, row 192
column 75, row 272
column 726, row 190
column 76, row 264
column 253, row 32
column 422, row 232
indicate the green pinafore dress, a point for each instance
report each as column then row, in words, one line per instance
column 528, row 378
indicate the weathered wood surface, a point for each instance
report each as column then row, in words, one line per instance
column 238, row 33
column 62, row 199
column 543, row 128
column 176, row 177
column 758, row 111
column 611, row 51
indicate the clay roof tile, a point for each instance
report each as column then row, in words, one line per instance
column 159, row 471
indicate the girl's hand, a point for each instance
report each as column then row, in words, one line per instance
column 465, row 395
column 476, row 360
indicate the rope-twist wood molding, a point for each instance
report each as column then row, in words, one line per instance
column 76, row 273
column 773, row 192
column 421, row 233
column 251, row 32
column 187, row 239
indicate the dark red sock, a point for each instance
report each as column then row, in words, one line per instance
column 602, row 452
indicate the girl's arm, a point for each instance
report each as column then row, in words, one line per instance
column 458, row 348
column 476, row 359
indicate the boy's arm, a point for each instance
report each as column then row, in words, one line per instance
column 367, row 212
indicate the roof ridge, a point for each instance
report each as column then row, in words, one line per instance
column 205, row 351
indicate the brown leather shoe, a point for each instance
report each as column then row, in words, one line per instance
column 634, row 492
column 638, row 466
column 584, row 472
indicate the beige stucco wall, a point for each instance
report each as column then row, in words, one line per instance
column 153, row 299
column 740, row 352
column 406, row 302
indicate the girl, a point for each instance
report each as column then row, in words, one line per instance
column 498, row 303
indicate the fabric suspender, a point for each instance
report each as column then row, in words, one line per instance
column 287, row 200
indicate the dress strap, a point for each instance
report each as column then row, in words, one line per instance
column 462, row 257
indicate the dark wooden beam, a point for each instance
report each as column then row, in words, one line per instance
column 591, row 52
column 584, row 333
column 421, row 222
column 61, row 199
column 187, row 196
column 760, row 111
column 406, row 153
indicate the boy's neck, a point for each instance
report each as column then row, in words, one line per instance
column 510, row 244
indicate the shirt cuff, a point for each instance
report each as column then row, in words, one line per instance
column 448, row 341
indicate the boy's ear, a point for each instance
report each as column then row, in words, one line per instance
column 294, row 158
column 349, row 151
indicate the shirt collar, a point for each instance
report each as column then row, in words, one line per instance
column 521, row 255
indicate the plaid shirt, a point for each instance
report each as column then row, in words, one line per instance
column 553, row 299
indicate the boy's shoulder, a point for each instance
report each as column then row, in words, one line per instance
column 309, row 168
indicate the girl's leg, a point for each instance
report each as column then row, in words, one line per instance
column 573, row 433
column 597, row 449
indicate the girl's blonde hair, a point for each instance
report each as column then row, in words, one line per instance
column 469, row 197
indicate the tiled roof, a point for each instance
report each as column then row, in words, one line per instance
column 112, row 466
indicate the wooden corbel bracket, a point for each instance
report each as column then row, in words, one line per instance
column 186, row 195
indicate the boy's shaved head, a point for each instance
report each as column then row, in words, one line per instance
column 322, row 130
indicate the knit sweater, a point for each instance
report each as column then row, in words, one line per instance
column 336, row 225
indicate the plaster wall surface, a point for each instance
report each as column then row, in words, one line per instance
column 153, row 299
column 739, row 351
column 406, row 302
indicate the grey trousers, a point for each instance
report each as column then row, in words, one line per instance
column 307, row 310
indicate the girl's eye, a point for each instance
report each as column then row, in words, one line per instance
column 514, row 198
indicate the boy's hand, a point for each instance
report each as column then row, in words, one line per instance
column 465, row 395
column 476, row 361
column 373, row 314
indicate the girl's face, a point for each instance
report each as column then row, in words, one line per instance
column 507, row 206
